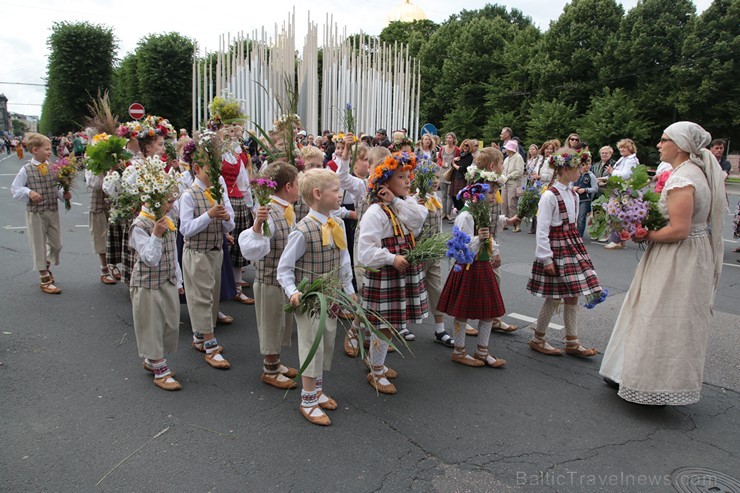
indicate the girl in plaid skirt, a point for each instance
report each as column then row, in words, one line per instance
column 562, row 269
column 472, row 291
column 396, row 291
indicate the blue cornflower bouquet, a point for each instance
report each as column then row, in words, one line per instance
column 457, row 249
column 530, row 200
column 424, row 176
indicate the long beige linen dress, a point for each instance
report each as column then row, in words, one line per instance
column 659, row 342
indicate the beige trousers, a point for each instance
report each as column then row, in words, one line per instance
column 433, row 281
column 510, row 195
column 307, row 329
column 44, row 237
column 98, row 230
column 156, row 319
column 274, row 326
column 201, row 272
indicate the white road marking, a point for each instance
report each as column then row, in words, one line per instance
column 525, row 318
column 14, row 227
column 82, row 225
column 76, row 203
column 731, row 265
column 729, row 241
column 8, row 174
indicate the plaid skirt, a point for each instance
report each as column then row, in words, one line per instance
column 472, row 293
column 243, row 220
column 399, row 297
column 114, row 244
column 575, row 272
column 127, row 256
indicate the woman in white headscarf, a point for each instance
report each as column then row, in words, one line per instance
column 658, row 346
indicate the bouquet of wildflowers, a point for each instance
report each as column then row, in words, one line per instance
column 476, row 174
column 457, row 249
column 126, row 201
column 155, row 185
column 430, row 248
column 530, row 200
column 208, row 152
column 64, row 172
column 424, row 176
column 262, row 190
column 105, row 152
column 628, row 207
column 477, row 203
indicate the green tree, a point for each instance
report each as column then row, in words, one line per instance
column 80, row 65
column 647, row 45
column 549, row 120
column 569, row 53
column 414, row 34
column 164, row 64
column 708, row 75
column 125, row 87
column 613, row 116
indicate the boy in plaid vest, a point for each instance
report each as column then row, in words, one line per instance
column 562, row 270
column 155, row 282
column 98, row 220
column 274, row 326
column 317, row 246
column 203, row 223
column 35, row 185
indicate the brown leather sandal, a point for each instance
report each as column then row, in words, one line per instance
column 464, row 359
column 106, row 278
column 500, row 328
column 480, row 355
column 329, row 405
column 388, row 373
column 289, row 372
column 47, row 285
column 374, row 381
column 167, row 382
column 574, row 348
column 116, row 273
column 349, row 349
column 321, row 420
column 539, row 346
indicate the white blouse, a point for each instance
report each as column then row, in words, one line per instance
column 548, row 214
column 374, row 226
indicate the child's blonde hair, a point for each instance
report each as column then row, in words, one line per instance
column 362, row 151
column 376, row 155
column 311, row 152
column 315, row 178
column 488, row 157
column 34, row 140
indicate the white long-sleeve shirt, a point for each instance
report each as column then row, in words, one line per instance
column 191, row 225
column 149, row 249
column 19, row 188
column 465, row 223
column 548, row 214
column 354, row 187
column 94, row 182
column 374, row 226
column 296, row 248
column 623, row 168
column 254, row 246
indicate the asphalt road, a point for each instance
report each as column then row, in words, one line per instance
column 77, row 412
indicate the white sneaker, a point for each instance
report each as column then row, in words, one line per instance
column 614, row 246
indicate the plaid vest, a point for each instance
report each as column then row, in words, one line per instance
column 210, row 238
column 301, row 209
column 97, row 200
column 45, row 186
column 267, row 267
column 318, row 259
column 432, row 224
column 153, row 277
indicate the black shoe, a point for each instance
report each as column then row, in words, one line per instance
column 444, row 338
column 611, row 383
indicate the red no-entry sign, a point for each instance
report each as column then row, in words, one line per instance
column 136, row 111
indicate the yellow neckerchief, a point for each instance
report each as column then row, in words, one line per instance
column 206, row 194
column 397, row 229
column 331, row 229
column 43, row 168
column 499, row 198
column 288, row 210
column 170, row 223
column 433, row 204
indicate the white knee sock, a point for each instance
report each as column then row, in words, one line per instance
column 378, row 351
column 484, row 332
column 458, row 333
column 570, row 317
column 543, row 319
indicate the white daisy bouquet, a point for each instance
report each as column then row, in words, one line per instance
column 154, row 185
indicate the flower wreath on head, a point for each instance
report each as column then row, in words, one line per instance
column 405, row 141
column 150, row 126
column 383, row 172
column 215, row 123
column 569, row 159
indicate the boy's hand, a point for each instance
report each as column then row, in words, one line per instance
column 551, row 270
column 160, row 227
column 386, row 195
column 67, row 195
column 262, row 214
column 484, row 234
column 217, row 211
column 353, row 215
column 421, row 200
column 354, row 297
column 400, row 263
column 229, row 238
column 295, row 299
column 181, row 291
column 513, row 220
column 496, row 262
column 35, row 197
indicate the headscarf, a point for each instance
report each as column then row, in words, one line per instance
column 692, row 138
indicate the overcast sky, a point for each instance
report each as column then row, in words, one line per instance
column 26, row 26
